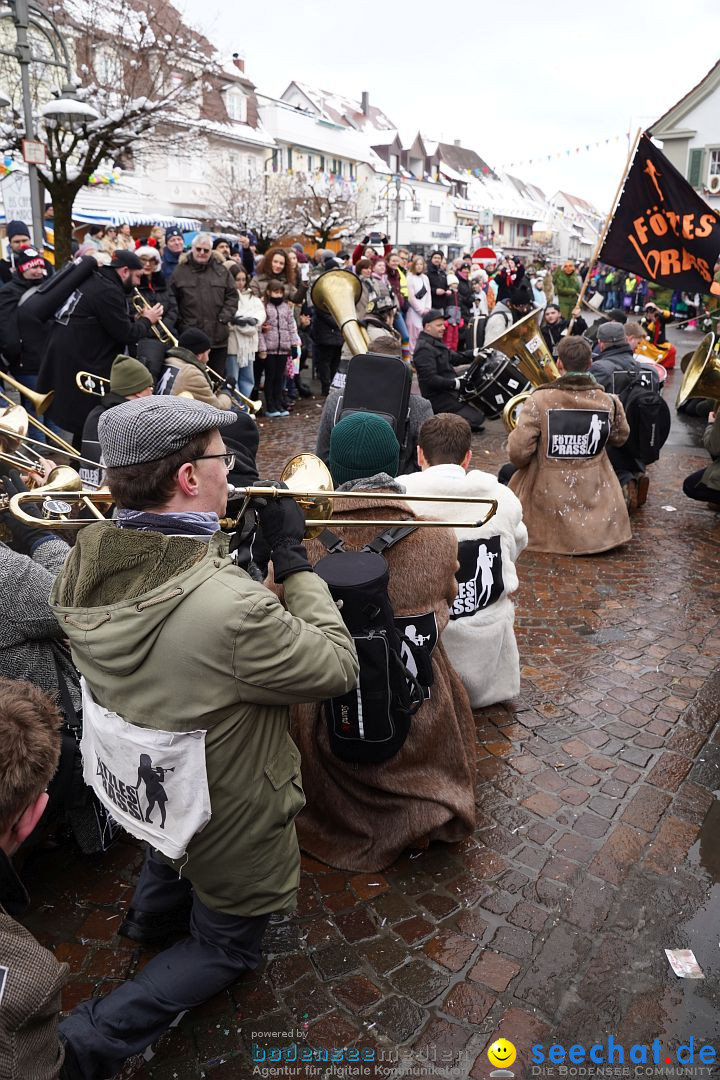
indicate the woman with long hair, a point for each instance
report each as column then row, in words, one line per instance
column 276, row 266
column 418, row 298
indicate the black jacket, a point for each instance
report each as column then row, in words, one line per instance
column 88, row 331
column 554, row 333
column 23, row 338
column 434, row 364
column 465, row 298
column 324, row 330
column 438, row 280
column 156, row 290
column 90, row 441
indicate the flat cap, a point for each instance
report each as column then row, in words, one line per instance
column 612, row 333
column 153, row 428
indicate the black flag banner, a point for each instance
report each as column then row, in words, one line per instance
column 662, row 229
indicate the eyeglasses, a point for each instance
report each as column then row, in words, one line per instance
column 228, row 460
column 205, row 250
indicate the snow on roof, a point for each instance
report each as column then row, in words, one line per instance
column 344, row 110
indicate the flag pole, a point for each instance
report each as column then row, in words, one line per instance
column 606, row 226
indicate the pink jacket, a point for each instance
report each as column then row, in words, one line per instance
column 279, row 333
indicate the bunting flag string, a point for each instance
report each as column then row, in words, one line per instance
column 582, row 149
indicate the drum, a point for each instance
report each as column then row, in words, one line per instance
column 491, row 383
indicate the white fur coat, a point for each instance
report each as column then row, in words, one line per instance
column 481, row 646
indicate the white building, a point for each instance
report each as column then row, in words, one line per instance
column 690, row 134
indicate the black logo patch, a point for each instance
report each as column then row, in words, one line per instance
column 577, row 433
column 421, row 636
column 646, row 378
column 167, row 379
column 479, row 578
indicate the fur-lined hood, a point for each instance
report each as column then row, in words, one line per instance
column 214, row 256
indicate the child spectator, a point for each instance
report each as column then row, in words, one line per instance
column 279, row 339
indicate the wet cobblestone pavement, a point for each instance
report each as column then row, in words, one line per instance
column 589, row 857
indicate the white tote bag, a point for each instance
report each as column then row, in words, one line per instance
column 153, row 783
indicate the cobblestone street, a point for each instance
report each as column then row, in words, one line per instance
column 590, row 856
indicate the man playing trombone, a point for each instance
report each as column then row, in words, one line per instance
column 187, row 660
column 186, row 370
column 129, row 379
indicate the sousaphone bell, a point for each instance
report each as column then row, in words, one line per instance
column 702, row 374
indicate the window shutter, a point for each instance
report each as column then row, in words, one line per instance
column 695, row 167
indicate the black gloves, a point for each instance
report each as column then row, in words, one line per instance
column 25, row 538
column 283, row 527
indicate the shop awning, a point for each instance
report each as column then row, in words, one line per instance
column 113, row 206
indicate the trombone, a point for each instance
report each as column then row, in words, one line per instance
column 87, row 381
column 62, row 491
column 220, row 386
column 41, row 403
column 312, row 489
column 159, row 329
column 21, row 453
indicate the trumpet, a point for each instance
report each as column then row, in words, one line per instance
column 159, row 329
column 87, row 381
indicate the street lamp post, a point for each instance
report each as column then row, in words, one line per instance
column 65, row 108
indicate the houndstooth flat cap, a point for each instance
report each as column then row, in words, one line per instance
column 152, row 428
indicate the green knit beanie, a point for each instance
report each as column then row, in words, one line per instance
column 361, row 445
column 129, row 376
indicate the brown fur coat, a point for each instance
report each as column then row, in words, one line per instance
column 362, row 817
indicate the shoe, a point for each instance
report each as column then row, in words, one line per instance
column 153, row 927
column 273, row 414
column 284, row 412
column 643, row 483
column 630, row 494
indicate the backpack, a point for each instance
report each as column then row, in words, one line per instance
column 370, row 723
column 649, row 419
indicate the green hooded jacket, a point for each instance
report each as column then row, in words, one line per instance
column 171, row 635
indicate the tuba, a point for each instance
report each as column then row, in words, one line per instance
column 702, row 374
column 524, row 344
column 512, row 410
column 336, row 292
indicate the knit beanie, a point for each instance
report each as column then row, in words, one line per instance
column 361, row 445
column 195, row 340
column 28, row 258
column 172, row 230
column 129, row 376
column 17, row 228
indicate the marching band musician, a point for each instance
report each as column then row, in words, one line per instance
column 571, row 498
column 185, row 370
column 191, row 664
column 87, row 333
column 129, row 379
column 554, row 327
column 435, row 364
column 482, row 614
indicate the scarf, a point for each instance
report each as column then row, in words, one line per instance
column 199, row 525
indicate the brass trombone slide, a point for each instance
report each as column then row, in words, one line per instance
column 14, row 422
column 87, row 381
column 159, row 329
column 41, row 402
column 309, row 499
column 220, row 386
column 60, row 444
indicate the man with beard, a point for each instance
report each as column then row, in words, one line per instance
column 554, row 326
column 88, row 331
column 505, row 313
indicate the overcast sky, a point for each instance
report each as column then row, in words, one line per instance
column 513, row 81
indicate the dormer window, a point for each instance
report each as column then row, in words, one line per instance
column 236, row 105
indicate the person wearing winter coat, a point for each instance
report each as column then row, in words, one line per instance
column 23, row 338
column 553, row 325
column 276, row 266
column 189, row 661
column 385, row 341
column 362, row 817
column 571, row 498
column 328, row 341
column 435, row 365
column 506, row 312
column 567, row 286
column 244, row 333
column 185, row 370
column 437, row 276
column 206, row 297
column 124, row 240
column 88, row 332
column 704, row 485
column 155, row 289
column 278, row 340
column 129, row 379
column 419, row 300
column 480, row 636
column 31, row 979
column 174, row 247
